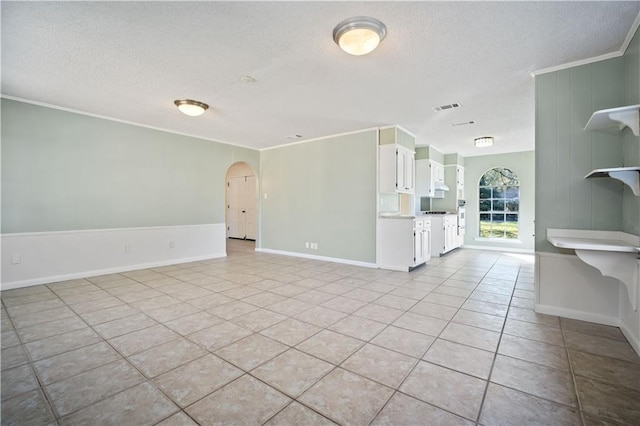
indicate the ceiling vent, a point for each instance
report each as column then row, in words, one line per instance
column 464, row 123
column 295, row 136
column 446, row 107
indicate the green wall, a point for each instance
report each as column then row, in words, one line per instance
column 631, row 143
column 523, row 164
column 322, row 191
column 565, row 153
column 66, row 171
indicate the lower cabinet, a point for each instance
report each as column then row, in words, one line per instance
column 403, row 243
column 444, row 234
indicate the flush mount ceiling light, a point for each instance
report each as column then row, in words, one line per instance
column 483, row 142
column 191, row 107
column 359, row 35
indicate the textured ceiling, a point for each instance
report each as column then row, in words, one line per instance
column 130, row 60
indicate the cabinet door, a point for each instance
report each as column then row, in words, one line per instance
column 404, row 170
column 399, row 169
column 427, row 243
column 409, row 171
column 440, row 173
column 460, row 182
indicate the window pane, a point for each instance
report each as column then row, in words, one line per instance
column 485, row 206
column 513, row 192
column 513, row 205
column 512, row 218
column 485, row 193
column 498, row 192
column 485, row 228
column 497, row 232
column 484, row 217
column 498, row 205
column 497, row 217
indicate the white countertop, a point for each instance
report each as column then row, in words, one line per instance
column 613, row 241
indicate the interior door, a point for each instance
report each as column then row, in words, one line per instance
column 236, row 209
column 251, row 207
column 242, row 211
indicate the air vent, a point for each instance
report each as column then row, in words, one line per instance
column 464, row 123
column 296, row 136
column 446, row 107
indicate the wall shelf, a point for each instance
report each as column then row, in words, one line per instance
column 621, row 117
column 613, row 253
column 630, row 176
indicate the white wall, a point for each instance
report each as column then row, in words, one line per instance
column 56, row 256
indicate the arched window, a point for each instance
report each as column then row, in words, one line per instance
column 499, row 197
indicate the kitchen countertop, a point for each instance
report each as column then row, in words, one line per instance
column 396, row 216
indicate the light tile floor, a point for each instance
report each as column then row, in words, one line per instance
column 257, row 338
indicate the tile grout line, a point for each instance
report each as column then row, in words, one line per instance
column 495, row 355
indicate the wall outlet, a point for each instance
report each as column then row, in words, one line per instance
column 306, row 244
column 126, row 248
column 265, row 195
column 16, row 259
column 172, row 244
column 314, row 246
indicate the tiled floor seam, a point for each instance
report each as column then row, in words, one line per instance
column 495, row 356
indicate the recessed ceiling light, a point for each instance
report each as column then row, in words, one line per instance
column 483, row 142
column 359, row 35
column 191, row 107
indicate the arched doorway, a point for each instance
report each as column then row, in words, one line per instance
column 241, row 214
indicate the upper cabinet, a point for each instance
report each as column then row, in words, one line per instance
column 460, row 182
column 396, row 161
column 396, row 169
column 430, row 179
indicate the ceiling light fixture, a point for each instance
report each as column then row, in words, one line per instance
column 191, row 107
column 359, row 35
column 483, row 142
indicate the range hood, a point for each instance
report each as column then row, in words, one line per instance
column 440, row 186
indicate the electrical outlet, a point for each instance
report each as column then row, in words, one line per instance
column 306, row 244
column 172, row 244
column 314, row 246
column 16, row 259
column 265, row 195
column 126, row 248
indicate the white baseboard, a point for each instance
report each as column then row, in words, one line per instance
column 577, row 315
column 633, row 340
column 315, row 257
column 493, row 248
column 46, row 257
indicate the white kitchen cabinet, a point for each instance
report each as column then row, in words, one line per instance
column 404, row 243
column 444, row 234
column 430, row 179
column 460, row 182
column 396, row 171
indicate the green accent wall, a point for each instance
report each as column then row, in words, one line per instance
column 66, row 171
column 565, row 153
column 429, row 153
column 322, row 191
column 521, row 163
column 631, row 143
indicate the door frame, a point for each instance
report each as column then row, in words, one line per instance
column 236, row 170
